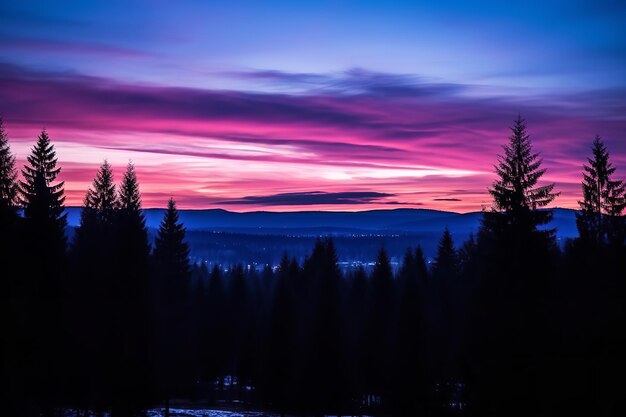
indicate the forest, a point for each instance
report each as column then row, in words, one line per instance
column 506, row 323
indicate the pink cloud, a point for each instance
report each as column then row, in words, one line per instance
column 431, row 145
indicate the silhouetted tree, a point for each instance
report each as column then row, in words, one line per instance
column 8, row 210
column 379, row 331
column 600, row 221
column 517, row 270
column 446, row 262
column 92, row 239
column 92, row 293
column 8, row 182
column 240, row 341
column 420, row 266
column 282, row 340
column 102, row 197
column 322, row 375
column 410, row 376
column 467, row 259
column 172, row 308
column 171, row 254
column 130, row 368
column 44, row 244
column 12, row 309
column 43, row 205
column 214, row 333
column 590, row 305
column 355, row 320
column 516, row 196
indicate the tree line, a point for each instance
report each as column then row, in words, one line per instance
column 505, row 323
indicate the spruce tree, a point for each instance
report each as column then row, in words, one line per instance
column 282, row 338
column 92, row 291
column 323, row 378
column 129, row 196
column 131, row 224
column 409, row 373
column 11, row 343
column 516, row 264
column 408, row 269
column 420, row 266
column 102, row 197
column 44, row 244
column 93, row 235
column 172, row 307
column 603, row 201
column 446, row 261
column 171, row 252
column 382, row 275
column 378, row 331
column 8, row 178
column 43, row 200
column 515, row 192
column 215, row 327
column 8, row 208
column 130, row 289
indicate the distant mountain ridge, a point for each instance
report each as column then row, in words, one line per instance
column 394, row 221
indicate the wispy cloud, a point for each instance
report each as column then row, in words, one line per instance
column 361, row 130
column 311, row 198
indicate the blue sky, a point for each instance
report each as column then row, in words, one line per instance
column 543, row 45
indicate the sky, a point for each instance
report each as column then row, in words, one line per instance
column 324, row 105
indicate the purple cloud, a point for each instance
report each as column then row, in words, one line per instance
column 311, row 198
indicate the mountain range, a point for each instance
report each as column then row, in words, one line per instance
column 261, row 237
column 398, row 221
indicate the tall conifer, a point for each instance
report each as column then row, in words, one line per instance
column 44, row 243
column 8, row 177
column 172, row 308
column 171, row 252
column 516, row 194
column 43, row 199
column 603, row 201
column 130, row 382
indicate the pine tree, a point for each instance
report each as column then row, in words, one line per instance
column 11, row 306
column 130, row 289
column 44, row 244
column 378, row 333
column 323, row 378
column 215, row 327
column 382, row 275
column 408, row 269
column 516, row 264
column 515, row 192
column 409, row 381
column 8, row 177
column 8, row 207
column 282, row 338
column 171, row 252
column 42, row 199
column 603, row 199
column 93, row 235
column 171, row 309
column 130, row 198
column 92, row 290
column 102, row 197
column 420, row 266
column 131, row 220
column 446, row 262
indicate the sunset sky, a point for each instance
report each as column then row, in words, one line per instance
column 324, row 105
